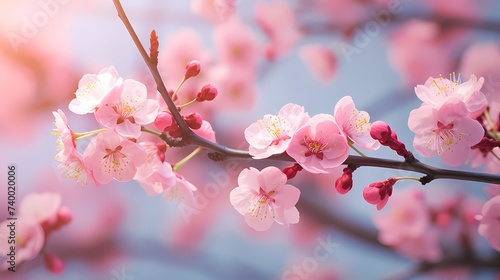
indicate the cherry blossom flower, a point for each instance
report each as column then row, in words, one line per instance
column 92, row 89
column 263, row 197
column 319, row 145
column 437, row 91
column 181, row 189
column 30, row 239
column 112, row 156
column 277, row 20
column 378, row 193
column 75, row 168
column 320, row 61
column 272, row 134
column 355, row 124
column 408, row 217
column 215, row 11
column 40, row 206
column 65, row 135
column 424, row 247
column 155, row 155
column 206, row 131
column 236, row 88
column 489, row 225
column 236, row 45
column 126, row 108
column 446, row 131
column 162, row 177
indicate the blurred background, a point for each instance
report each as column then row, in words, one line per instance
column 260, row 55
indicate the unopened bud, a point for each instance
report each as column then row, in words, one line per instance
column 193, row 120
column 53, row 263
column 382, row 132
column 192, row 69
column 291, row 171
column 344, row 184
column 164, row 121
column 378, row 193
column 207, row 93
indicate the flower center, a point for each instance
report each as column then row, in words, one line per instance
column 315, row 146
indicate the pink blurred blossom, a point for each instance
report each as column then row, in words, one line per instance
column 236, row 45
column 272, row 134
column 489, row 225
column 355, row 124
column 126, row 108
column 263, row 197
column 30, row 240
column 320, row 61
column 215, row 11
column 206, row 131
column 446, row 131
column 40, row 206
column 408, row 217
column 112, row 156
column 277, row 20
column 319, row 145
column 424, row 247
column 493, row 190
column 420, row 49
column 236, row 88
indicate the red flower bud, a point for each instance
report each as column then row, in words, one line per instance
column 192, row 69
column 344, row 184
column 53, row 263
column 164, row 121
column 382, row 132
column 193, row 120
column 207, row 93
column 378, row 193
column 486, row 145
column 291, row 171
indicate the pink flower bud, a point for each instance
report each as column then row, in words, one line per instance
column 53, row 263
column 344, row 184
column 291, row 171
column 378, row 193
column 382, row 132
column 164, row 120
column 207, row 93
column 171, row 93
column 174, row 131
column 63, row 216
column 192, row 69
column 193, row 120
column 486, row 145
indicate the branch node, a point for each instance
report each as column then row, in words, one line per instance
column 426, row 179
column 216, row 156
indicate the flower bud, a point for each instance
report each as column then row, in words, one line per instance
column 193, row 120
column 382, row 132
column 378, row 193
column 53, row 263
column 344, row 184
column 486, row 145
column 291, row 171
column 207, row 93
column 192, row 69
column 164, row 120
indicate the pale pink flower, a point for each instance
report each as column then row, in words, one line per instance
column 355, row 124
column 215, row 11
column 40, row 206
column 236, row 88
column 319, row 145
column 489, row 225
column 111, row 156
column 446, row 131
column 272, row 134
column 162, row 177
column 126, row 108
column 278, row 22
column 92, row 89
column 30, row 239
column 424, row 247
column 180, row 190
column 408, row 217
column 320, row 61
column 236, row 45
column 66, row 137
column 436, row 91
column 263, row 197
column 206, row 131
column 75, row 168
column 155, row 155
column 419, row 49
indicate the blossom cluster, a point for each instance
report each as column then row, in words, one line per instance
column 119, row 150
